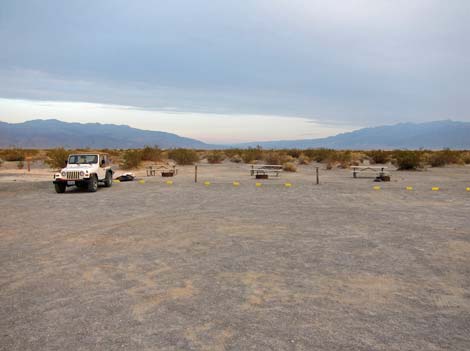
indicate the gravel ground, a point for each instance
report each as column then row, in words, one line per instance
column 338, row 266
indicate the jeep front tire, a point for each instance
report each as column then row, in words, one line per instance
column 93, row 183
column 60, row 188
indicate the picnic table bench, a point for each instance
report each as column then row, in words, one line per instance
column 164, row 170
column 263, row 171
column 379, row 171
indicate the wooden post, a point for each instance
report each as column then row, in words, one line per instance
column 195, row 173
column 318, row 177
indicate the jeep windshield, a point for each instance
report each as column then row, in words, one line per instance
column 83, row 159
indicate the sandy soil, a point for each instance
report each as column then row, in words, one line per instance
column 152, row 266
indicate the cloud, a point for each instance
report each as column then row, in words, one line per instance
column 363, row 62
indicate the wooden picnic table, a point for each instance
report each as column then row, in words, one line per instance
column 378, row 170
column 266, row 170
column 165, row 170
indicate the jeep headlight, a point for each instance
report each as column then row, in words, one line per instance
column 82, row 173
column 63, row 173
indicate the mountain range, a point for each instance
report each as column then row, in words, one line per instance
column 53, row 133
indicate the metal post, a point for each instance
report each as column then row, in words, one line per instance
column 318, row 177
column 195, row 173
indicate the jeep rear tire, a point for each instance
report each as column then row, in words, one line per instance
column 108, row 181
column 93, row 183
column 60, row 187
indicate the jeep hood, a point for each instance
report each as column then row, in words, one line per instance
column 81, row 167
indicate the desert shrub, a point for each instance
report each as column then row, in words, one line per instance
column 29, row 152
column 466, row 157
column 236, row 159
column 289, row 167
column 131, row 159
column 252, row 154
column 272, row 158
column 215, row 157
column 295, row 153
column 183, row 156
column 319, row 155
column 151, row 153
column 20, row 165
column 286, row 158
column 233, row 152
column 13, row 155
column 407, row 160
column 379, row 156
column 56, row 158
column 444, row 157
column 304, row 160
column 342, row 158
column 111, row 152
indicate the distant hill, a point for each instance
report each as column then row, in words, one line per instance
column 54, row 133
column 430, row 135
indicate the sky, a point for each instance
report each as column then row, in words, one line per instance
column 234, row 71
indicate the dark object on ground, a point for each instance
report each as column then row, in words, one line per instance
column 126, row 177
column 385, row 178
column 382, row 178
column 261, row 176
column 168, row 174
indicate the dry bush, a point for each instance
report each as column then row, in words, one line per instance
column 407, row 160
column 151, row 153
column 183, row 156
column 379, row 156
column 112, row 152
column 57, row 158
column 304, row 160
column 445, row 157
column 342, row 158
column 233, row 152
column 20, row 165
column 272, row 158
column 289, row 167
column 251, row 155
column 319, row 155
column 216, row 157
column 286, row 158
column 131, row 159
column 13, row 155
column 466, row 157
column 295, row 153
column 236, row 159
